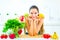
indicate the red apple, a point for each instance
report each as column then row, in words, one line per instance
column 12, row 36
column 19, row 31
column 46, row 36
column 22, row 18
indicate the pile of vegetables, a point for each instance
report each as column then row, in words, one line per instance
column 14, row 25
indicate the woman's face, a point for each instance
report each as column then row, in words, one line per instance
column 33, row 13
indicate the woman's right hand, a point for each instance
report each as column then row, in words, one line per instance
column 30, row 20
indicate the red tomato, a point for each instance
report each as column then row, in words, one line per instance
column 21, row 18
column 46, row 36
column 2, row 36
column 20, row 31
column 6, row 36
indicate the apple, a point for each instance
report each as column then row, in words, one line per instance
column 19, row 31
column 12, row 36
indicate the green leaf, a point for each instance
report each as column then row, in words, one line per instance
column 14, row 25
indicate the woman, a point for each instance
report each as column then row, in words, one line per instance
column 34, row 24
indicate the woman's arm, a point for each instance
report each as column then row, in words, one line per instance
column 31, row 28
column 29, row 24
column 39, row 24
column 35, row 27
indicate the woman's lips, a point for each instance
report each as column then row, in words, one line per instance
column 33, row 17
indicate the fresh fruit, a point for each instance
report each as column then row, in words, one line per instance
column 22, row 18
column 12, row 36
column 20, row 31
column 46, row 36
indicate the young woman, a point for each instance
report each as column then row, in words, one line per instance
column 34, row 24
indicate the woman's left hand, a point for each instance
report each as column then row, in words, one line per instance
column 36, row 21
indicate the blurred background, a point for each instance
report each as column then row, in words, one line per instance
column 14, row 8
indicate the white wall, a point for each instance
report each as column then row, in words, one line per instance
column 50, row 8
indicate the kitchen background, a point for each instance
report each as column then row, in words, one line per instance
column 15, row 8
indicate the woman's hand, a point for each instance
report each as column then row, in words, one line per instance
column 36, row 21
column 30, row 21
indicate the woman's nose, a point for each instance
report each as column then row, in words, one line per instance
column 33, row 15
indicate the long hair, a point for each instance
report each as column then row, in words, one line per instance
column 42, row 29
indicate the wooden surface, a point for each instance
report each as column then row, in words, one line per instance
column 28, row 36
